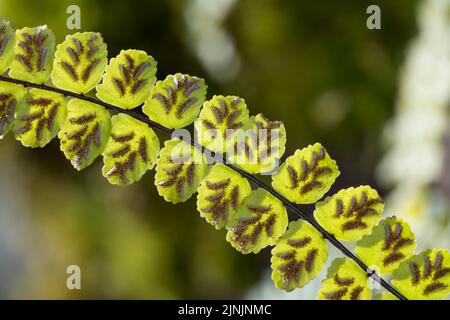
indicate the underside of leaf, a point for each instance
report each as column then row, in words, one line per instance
column 7, row 42
column 128, row 79
column 85, row 132
column 131, row 150
column 351, row 213
column 259, row 146
column 345, row 281
column 179, row 171
column 425, row 276
column 175, row 101
column 307, row 175
column 390, row 243
column 219, row 120
column 33, row 52
column 298, row 257
column 220, row 194
column 79, row 62
column 10, row 96
column 259, row 221
column 39, row 117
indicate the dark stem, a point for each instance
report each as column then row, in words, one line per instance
column 290, row 205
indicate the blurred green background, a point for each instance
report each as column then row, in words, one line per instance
column 312, row 64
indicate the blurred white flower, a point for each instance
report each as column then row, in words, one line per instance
column 208, row 39
column 415, row 136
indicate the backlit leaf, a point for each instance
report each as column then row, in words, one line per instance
column 218, row 121
column 298, row 257
column 84, row 133
column 131, row 150
column 175, row 101
column 79, row 62
column 425, row 276
column 259, row 221
column 128, row 79
column 179, row 170
column 307, row 175
column 7, row 41
column 351, row 213
column 220, row 194
column 40, row 115
column 259, row 146
column 33, row 52
column 386, row 295
column 345, row 281
column 390, row 243
column 10, row 96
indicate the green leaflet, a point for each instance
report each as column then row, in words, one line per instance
column 131, row 150
column 259, row 221
column 179, row 171
column 79, row 62
column 425, row 276
column 307, row 175
column 84, row 133
column 259, row 146
column 350, row 213
column 386, row 295
column 345, row 281
column 390, row 243
column 219, row 115
column 220, row 194
column 128, row 79
column 7, row 41
column 10, row 95
column 175, row 101
column 33, row 54
column 298, row 257
column 40, row 115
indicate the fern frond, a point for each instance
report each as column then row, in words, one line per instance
column 254, row 219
